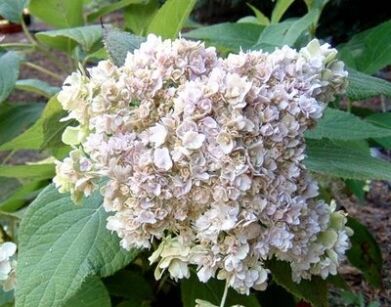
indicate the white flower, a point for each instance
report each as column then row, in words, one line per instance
column 7, row 265
column 193, row 140
column 162, row 159
column 225, row 141
column 158, row 135
column 205, row 155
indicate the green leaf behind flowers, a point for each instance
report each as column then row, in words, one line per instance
column 349, row 160
column 61, row 245
column 313, row 291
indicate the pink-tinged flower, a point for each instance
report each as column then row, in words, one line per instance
column 204, row 155
column 193, row 140
column 162, row 159
column 158, row 135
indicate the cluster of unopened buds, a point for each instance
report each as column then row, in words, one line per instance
column 203, row 157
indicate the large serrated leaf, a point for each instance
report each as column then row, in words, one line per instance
column 61, row 245
column 365, row 253
column 12, row 9
column 212, row 291
column 58, row 13
column 345, row 160
column 313, row 291
column 168, row 21
column 233, row 36
column 381, row 120
column 340, row 125
column 67, row 39
column 9, row 72
column 119, row 43
column 362, row 86
column 370, row 50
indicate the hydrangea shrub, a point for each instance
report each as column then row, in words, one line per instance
column 202, row 157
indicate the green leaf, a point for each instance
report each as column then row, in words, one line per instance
column 53, row 127
column 279, row 10
column 233, row 36
column 138, row 16
column 248, row 19
column 212, row 291
column 119, row 43
column 168, row 21
column 6, row 298
column 356, row 187
column 123, row 284
column 381, row 120
column 362, row 86
column 109, row 8
column 286, row 32
column 100, row 54
column 91, row 294
column 19, row 197
column 34, row 137
column 67, row 39
column 337, row 281
column 35, row 171
column 365, row 253
column 9, row 72
column 370, row 50
column 37, row 86
column 313, row 291
column 345, row 160
column 58, row 13
column 12, row 9
column 7, row 187
column 268, row 297
column 340, row 125
column 315, row 4
column 62, row 244
column 16, row 118
column 262, row 19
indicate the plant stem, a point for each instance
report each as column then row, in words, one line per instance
column 161, row 283
column 34, row 42
column 27, row 32
column 349, row 105
column 43, row 70
column 383, row 103
column 17, row 45
column 223, row 299
column 5, row 160
column 53, row 59
column 8, row 214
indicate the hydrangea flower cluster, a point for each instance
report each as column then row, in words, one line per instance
column 204, row 156
column 7, row 265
